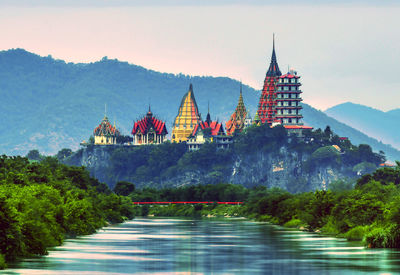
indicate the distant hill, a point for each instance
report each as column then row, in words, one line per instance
column 319, row 119
column 49, row 104
column 380, row 125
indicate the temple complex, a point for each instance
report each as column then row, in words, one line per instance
column 279, row 104
column 149, row 130
column 105, row 133
column 188, row 117
column 240, row 118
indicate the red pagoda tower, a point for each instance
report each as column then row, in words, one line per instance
column 267, row 104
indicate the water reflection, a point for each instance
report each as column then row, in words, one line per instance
column 182, row 246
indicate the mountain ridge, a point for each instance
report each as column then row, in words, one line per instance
column 375, row 123
column 49, row 104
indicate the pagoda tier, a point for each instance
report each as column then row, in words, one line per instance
column 288, row 100
column 188, row 117
column 267, row 104
column 105, row 133
column 149, row 130
column 239, row 119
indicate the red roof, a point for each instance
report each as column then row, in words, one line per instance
column 216, row 128
column 386, row 165
column 106, row 129
column 145, row 124
column 289, row 75
column 297, row 127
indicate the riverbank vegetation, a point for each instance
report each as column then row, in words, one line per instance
column 367, row 210
column 41, row 203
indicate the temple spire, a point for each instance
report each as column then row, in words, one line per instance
column 237, row 120
column 273, row 69
column 208, row 118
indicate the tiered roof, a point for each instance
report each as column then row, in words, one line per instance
column 238, row 118
column 106, row 129
column 188, row 117
column 188, row 113
column 149, row 122
column 266, row 106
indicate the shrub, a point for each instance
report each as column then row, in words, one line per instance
column 3, row 264
column 294, row 223
column 357, row 233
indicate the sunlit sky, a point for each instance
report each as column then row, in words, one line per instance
column 344, row 50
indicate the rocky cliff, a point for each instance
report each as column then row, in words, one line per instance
column 283, row 168
column 286, row 170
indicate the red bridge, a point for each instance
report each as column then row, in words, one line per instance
column 188, row 202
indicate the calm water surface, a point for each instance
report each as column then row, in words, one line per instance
column 208, row 246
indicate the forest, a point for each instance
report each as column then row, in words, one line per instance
column 42, row 203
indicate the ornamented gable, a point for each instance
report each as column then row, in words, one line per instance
column 149, row 130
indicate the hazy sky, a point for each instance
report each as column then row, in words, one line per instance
column 344, row 50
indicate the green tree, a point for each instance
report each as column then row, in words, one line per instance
column 63, row 153
column 34, row 155
column 124, row 188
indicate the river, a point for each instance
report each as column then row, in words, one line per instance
column 207, row 246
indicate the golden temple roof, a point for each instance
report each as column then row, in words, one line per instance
column 238, row 118
column 188, row 117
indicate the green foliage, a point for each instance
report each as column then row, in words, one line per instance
column 208, row 192
column 260, row 138
column 43, row 202
column 357, row 233
column 383, row 237
column 325, row 154
column 369, row 212
column 3, row 264
column 384, row 175
column 341, row 185
column 34, row 155
column 124, row 188
column 294, row 223
column 63, row 154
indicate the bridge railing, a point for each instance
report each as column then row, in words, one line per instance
column 187, row 202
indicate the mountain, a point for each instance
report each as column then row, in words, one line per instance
column 319, row 119
column 49, row 104
column 375, row 123
column 394, row 113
